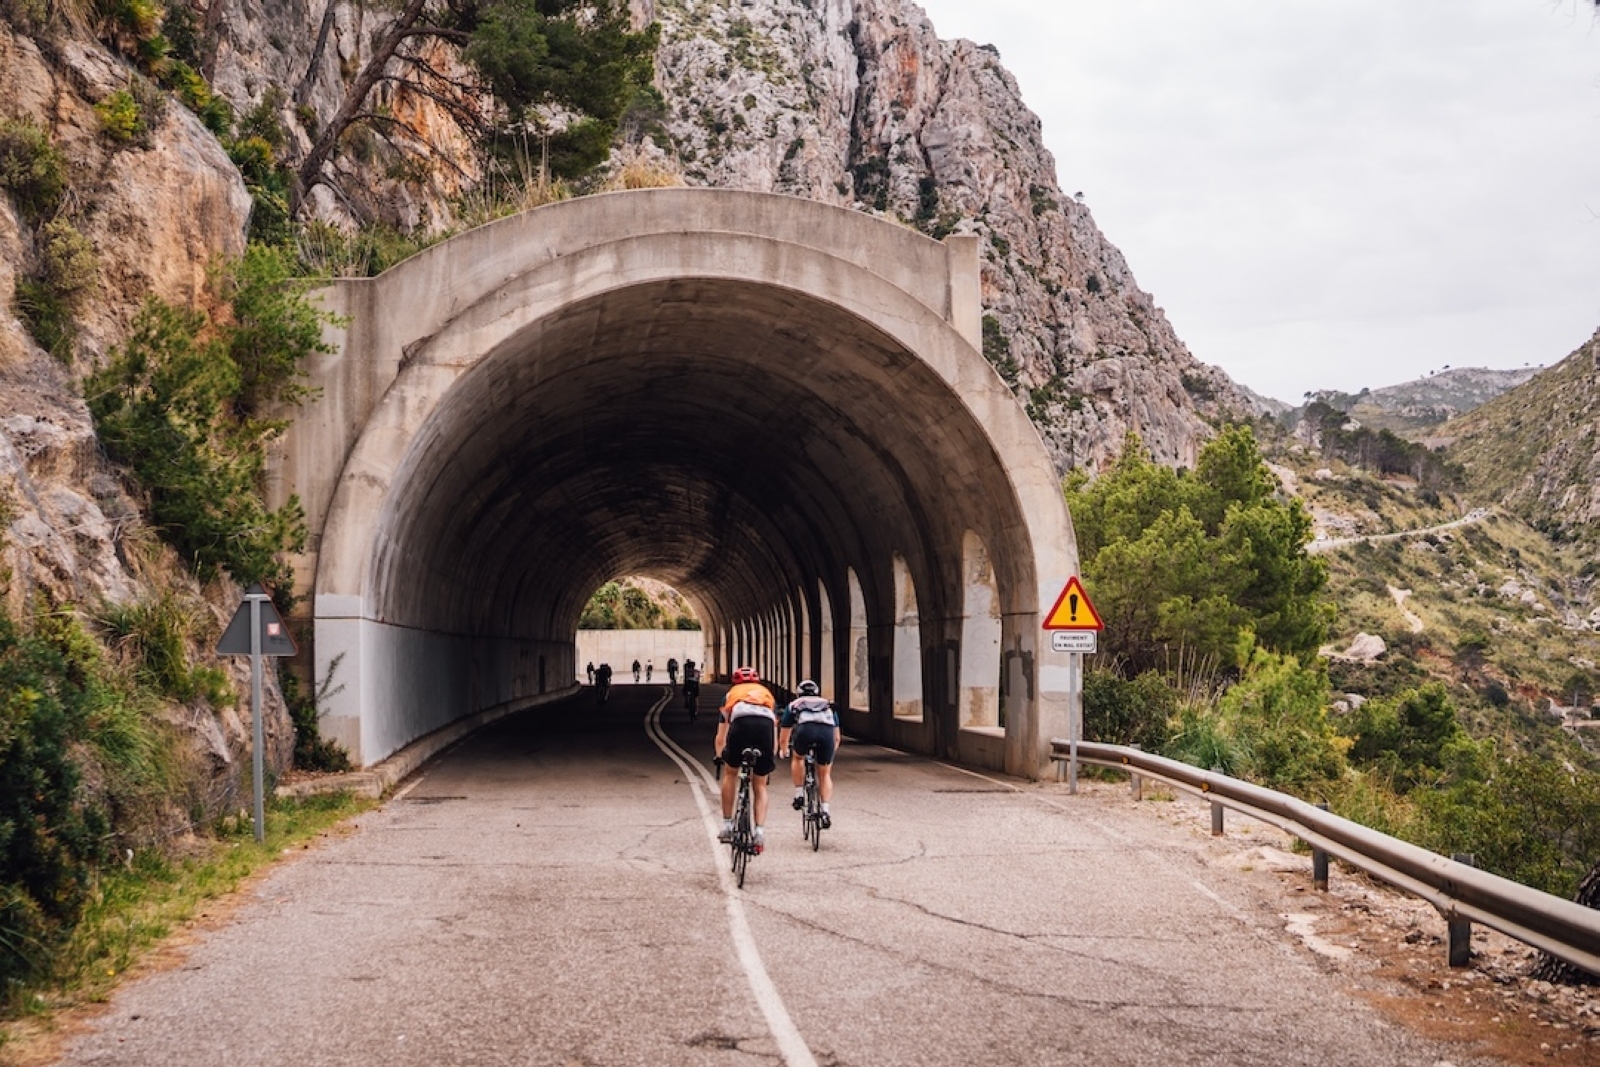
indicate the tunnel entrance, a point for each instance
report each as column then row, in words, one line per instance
column 772, row 405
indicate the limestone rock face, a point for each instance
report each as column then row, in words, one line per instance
column 860, row 103
column 158, row 215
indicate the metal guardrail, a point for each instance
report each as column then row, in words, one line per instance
column 1563, row 928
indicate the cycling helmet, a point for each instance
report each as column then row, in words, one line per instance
column 808, row 688
column 745, row 674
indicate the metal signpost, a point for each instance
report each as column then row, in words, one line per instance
column 257, row 630
column 1074, row 628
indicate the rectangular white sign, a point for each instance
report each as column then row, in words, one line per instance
column 1073, row 640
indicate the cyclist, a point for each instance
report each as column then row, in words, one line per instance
column 749, row 719
column 810, row 724
column 591, row 672
column 672, row 670
column 602, row 683
column 635, row 672
column 691, row 685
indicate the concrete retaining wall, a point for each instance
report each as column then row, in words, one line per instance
column 621, row 647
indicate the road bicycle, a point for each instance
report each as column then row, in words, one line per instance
column 691, row 699
column 811, row 821
column 743, row 842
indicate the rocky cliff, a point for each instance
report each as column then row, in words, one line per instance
column 1536, row 448
column 157, row 214
column 861, row 104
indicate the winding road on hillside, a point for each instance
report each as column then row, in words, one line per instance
column 1328, row 544
column 550, row 892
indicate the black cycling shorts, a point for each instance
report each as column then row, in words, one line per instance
column 814, row 737
column 750, row 731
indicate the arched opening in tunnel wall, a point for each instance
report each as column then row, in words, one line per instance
column 737, row 395
column 980, row 638
column 907, row 674
column 826, row 667
column 804, row 641
column 859, row 662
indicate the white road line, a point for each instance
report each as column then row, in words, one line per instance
column 784, row 1032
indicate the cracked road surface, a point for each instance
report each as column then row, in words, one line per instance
column 545, row 894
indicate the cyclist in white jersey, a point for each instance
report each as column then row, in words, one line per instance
column 810, row 724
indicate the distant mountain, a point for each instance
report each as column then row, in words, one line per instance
column 1536, row 448
column 1412, row 406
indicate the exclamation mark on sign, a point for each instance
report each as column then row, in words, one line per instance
column 1072, row 606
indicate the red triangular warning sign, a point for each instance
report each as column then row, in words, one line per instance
column 1073, row 610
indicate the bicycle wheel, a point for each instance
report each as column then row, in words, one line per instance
column 814, row 811
column 743, row 834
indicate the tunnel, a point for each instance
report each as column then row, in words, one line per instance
column 775, row 406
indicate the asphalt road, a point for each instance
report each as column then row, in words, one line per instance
column 548, row 892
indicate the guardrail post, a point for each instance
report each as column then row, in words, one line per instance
column 1216, row 811
column 1135, row 781
column 1461, row 929
column 1319, row 863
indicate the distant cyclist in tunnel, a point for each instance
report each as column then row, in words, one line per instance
column 672, row 670
column 749, row 719
column 810, row 724
column 635, row 672
column 691, row 688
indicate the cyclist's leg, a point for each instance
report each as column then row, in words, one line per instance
column 825, row 747
column 730, row 781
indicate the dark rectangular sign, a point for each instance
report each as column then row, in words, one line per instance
column 275, row 639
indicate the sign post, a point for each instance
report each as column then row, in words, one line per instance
column 1074, row 628
column 257, row 630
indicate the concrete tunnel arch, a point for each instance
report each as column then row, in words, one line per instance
column 758, row 399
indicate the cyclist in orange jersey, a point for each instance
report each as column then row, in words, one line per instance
column 748, row 719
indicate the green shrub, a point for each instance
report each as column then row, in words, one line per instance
column 1279, row 710
column 274, row 329
column 47, row 317
column 1118, row 711
column 1199, row 737
column 157, row 635
column 121, row 117
column 311, row 751
column 1407, row 738
column 180, row 403
column 163, row 405
column 32, row 170
column 1270, row 727
column 70, row 266
column 51, row 834
column 268, row 182
column 29, row 16
column 1531, row 819
column 48, row 302
column 196, row 93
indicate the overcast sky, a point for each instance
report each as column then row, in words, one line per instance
column 1329, row 193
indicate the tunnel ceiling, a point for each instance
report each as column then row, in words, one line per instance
column 731, row 439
